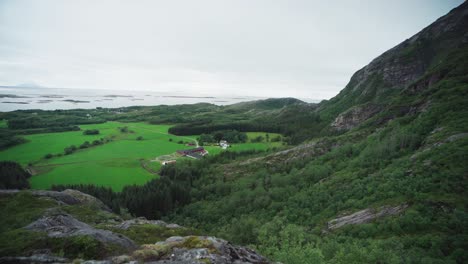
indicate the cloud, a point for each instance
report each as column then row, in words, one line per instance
column 306, row 49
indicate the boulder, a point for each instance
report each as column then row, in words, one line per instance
column 197, row 249
column 67, row 197
column 65, row 225
column 87, row 199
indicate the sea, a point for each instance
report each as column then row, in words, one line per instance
column 20, row 98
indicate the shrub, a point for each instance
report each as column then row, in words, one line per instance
column 13, row 176
column 91, row 132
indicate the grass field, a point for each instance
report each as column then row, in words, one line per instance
column 122, row 161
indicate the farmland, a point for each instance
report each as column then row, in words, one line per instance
column 124, row 159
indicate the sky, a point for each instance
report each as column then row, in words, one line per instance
column 267, row 48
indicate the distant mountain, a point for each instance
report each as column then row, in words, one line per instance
column 28, row 85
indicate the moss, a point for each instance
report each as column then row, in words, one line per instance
column 90, row 215
column 22, row 242
column 21, row 209
column 151, row 252
column 196, row 242
column 146, row 234
column 18, row 242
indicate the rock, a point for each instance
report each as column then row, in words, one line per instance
column 87, row 199
column 197, row 249
column 122, row 259
column 97, row 262
column 456, row 137
column 365, row 216
column 143, row 221
column 67, row 197
column 354, row 116
column 60, row 197
column 65, row 225
column 39, row 258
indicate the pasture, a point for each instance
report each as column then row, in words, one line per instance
column 124, row 160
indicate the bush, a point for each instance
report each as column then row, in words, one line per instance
column 69, row 150
column 13, row 176
column 48, row 156
column 139, row 138
column 91, row 132
column 86, row 144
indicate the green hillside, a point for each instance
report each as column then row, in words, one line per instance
column 377, row 174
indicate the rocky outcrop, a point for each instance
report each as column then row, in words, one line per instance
column 365, row 216
column 354, row 116
column 37, row 259
column 197, row 249
column 143, row 221
column 430, row 147
column 67, row 197
column 86, row 199
column 65, row 225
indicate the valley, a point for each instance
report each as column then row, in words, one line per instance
column 119, row 162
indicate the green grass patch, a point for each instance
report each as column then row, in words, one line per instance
column 120, row 162
column 19, row 210
column 150, row 234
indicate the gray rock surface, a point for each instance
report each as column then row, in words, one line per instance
column 38, row 258
column 67, row 197
column 200, row 249
column 365, row 216
column 355, row 116
column 64, row 225
column 143, row 221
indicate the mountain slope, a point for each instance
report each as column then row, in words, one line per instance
column 395, row 70
column 385, row 183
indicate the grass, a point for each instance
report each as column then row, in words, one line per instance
column 103, row 173
column 19, row 210
column 120, row 162
column 150, row 234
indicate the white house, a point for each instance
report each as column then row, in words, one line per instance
column 223, row 144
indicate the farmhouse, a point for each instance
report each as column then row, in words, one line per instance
column 195, row 153
column 223, row 144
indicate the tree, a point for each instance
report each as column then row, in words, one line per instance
column 13, row 176
column 69, row 150
column 91, row 132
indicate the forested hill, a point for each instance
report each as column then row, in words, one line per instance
column 383, row 179
column 436, row 53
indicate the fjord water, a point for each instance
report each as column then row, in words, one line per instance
column 15, row 98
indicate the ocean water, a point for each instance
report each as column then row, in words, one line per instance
column 14, row 98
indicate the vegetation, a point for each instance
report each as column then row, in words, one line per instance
column 13, row 176
column 408, row 151
column 232, row 136
column 94, row 159
column 91, row 132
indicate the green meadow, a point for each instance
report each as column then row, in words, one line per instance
column 122, row 161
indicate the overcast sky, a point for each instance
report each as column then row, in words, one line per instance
column 305, row 49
